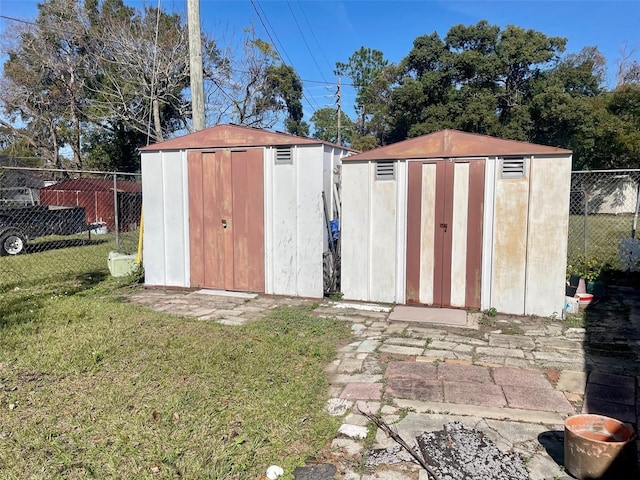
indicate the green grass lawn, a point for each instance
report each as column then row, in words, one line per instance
column 603, row 236
column 94, row 387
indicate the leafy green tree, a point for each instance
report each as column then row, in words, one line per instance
column 325, row 123
column 479, row 78
column 284, row 92
column 113, row 149
column 369, row 73
column 44, row 85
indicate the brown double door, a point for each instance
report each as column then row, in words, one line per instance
column 226, row 219
column 444, row 232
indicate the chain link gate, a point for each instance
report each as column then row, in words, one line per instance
column 603, row 217
column 68, row 221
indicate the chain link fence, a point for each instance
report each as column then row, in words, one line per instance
column 56, row 221
column 603, row 217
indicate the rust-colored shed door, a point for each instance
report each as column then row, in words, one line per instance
column 444, row 232
column 226, row 219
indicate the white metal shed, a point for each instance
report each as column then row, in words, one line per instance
column 237, row 208
column 458, row 220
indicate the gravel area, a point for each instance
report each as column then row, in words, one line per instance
column 457, row 453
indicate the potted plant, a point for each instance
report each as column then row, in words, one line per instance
column 588, row 269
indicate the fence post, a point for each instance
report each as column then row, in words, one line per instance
column 115, row 210
column 586, row 213
column 635, row 213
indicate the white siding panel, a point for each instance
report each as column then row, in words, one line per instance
column 356, row 185
column 310, row 222
column 153, row 253
column 488, row 233
column 547, row 240
column 510, row 244
column 175, row 198
column 459, row 234
column 401, row 229
column 294, row 218
column 427, row 232
column 382, row 280
column 284, row 225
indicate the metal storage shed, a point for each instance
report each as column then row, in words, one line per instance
column 458, row 220
column 237, row 208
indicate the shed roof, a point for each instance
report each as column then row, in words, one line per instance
column 454, row 143
column 94, row 185
column 233, row 136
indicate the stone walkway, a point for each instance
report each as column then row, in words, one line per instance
column 514, row 378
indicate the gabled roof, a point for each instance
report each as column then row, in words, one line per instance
column 94, row 185
column 233, row 136
column 455, row 144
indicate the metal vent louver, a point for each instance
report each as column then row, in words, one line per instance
column 513, row 167
column 385, row 170
column 284, row 156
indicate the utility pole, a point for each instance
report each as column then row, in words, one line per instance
column 195, row 64
column 339, row 100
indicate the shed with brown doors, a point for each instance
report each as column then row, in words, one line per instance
column 237, row 208
column 97, row 198
column 455, row 219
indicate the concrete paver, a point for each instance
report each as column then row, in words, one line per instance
column 516, row 380
column 411, row 370
column 606, row 393
column 607, row 379
column 572, row 381
column 362, row 391
column 454, row 372
column 519, row 377
column 537, row 399
column 429, row 390
column 472, row 393
column 400, row 350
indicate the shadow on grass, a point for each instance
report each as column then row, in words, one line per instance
column 57, row 244
column 21, row 305
column 20, row 308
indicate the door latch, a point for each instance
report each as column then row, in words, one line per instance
column 444, row 225
column 224, row 224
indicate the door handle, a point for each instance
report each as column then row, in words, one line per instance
column 224, row 224
column 444, row 225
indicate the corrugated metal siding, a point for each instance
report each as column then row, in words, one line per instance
column 356, row 231
column 165, row 236
column 547, row 236
column 510, row 243
column 295, row 223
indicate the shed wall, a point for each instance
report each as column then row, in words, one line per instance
column 165, row 236
column 510, row 242
column 369, row 234
column 355, row 267
column 547, row 236
column 294, row 223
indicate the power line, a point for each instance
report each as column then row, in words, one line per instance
column 268, row 30
column 253, row 3
column 313, row 34
column 304, row 39
column 62, row 30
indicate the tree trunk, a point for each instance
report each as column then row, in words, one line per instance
column 156, row 120
column 75, row 140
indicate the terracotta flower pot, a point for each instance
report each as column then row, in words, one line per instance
column 598, row 447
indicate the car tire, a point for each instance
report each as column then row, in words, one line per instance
column 12, row 242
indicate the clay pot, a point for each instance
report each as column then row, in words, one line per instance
column 598, row 447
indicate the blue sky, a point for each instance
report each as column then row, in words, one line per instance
column 313, row 35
